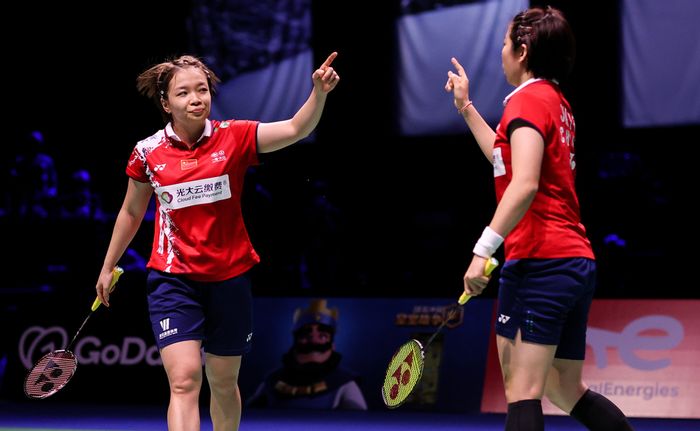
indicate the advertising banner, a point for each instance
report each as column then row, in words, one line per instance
column 642, row 354
column 369, row 330
column 117, row 355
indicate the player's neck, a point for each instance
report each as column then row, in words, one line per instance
column 189, row 134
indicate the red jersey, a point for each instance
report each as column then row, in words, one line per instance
column 199, row 229
column 551, row 227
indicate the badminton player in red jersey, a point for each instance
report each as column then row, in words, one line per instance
column 548, row 279
column 198, row 288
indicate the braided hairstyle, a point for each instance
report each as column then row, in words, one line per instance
column 549, row 39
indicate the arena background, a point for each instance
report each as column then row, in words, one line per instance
column 364, row 209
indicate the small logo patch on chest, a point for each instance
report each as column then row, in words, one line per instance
column 188, row 164
column 218, row 156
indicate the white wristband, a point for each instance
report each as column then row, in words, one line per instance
column 488, row 243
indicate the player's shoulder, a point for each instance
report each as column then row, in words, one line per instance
column 540, row 95
column 147, row 145
column 542, row 90
column 231, row 124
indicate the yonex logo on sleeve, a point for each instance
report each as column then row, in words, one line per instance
column 157, row 168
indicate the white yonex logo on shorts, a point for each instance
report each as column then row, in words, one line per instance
column 165, row 326
column 159, row 167
column 248, row 338
column 502, row 318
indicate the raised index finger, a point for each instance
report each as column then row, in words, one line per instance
column 329, row 60
column 460, row 69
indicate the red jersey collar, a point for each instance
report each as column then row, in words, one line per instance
column 523, row 85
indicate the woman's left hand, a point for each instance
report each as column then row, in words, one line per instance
column 325, row 78
column 458, row 84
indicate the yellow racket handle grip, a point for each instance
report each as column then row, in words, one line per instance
column 489, row 266
column 116, row 273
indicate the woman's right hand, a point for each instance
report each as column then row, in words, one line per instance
column 325, row 78
column 103, row 287
column 458, row 84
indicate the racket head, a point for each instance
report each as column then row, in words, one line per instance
column 50, row 374
column 403, row 373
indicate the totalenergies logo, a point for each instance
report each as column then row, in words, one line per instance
column 36, row 341
column 653, row 332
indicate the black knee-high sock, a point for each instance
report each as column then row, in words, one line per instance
column 598, row 413
column 525, row 415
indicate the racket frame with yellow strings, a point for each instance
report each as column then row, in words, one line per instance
column 406, row 365
column 55, row 369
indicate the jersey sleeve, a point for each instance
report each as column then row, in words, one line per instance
column 524, row 110
column 136, row 168
column 246, row 134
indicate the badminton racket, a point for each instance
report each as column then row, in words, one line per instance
column 406, row 366
column 53, row 371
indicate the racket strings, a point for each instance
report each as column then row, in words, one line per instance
column 53, row 371
column 403, row 373
column 50, row 374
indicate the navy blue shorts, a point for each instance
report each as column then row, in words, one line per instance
column 548, row 301
column 218, row 313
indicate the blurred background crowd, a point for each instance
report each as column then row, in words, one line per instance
column 366, row 206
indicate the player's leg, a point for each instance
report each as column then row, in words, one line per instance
column 229, row 332
column 222, row 375
column 564, row 383
column 565, row 386
column 178, row 326
column 183, row 365
column 567, row 391
column 525, row 366
column 534, row 298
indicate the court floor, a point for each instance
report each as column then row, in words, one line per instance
column 33, row 416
